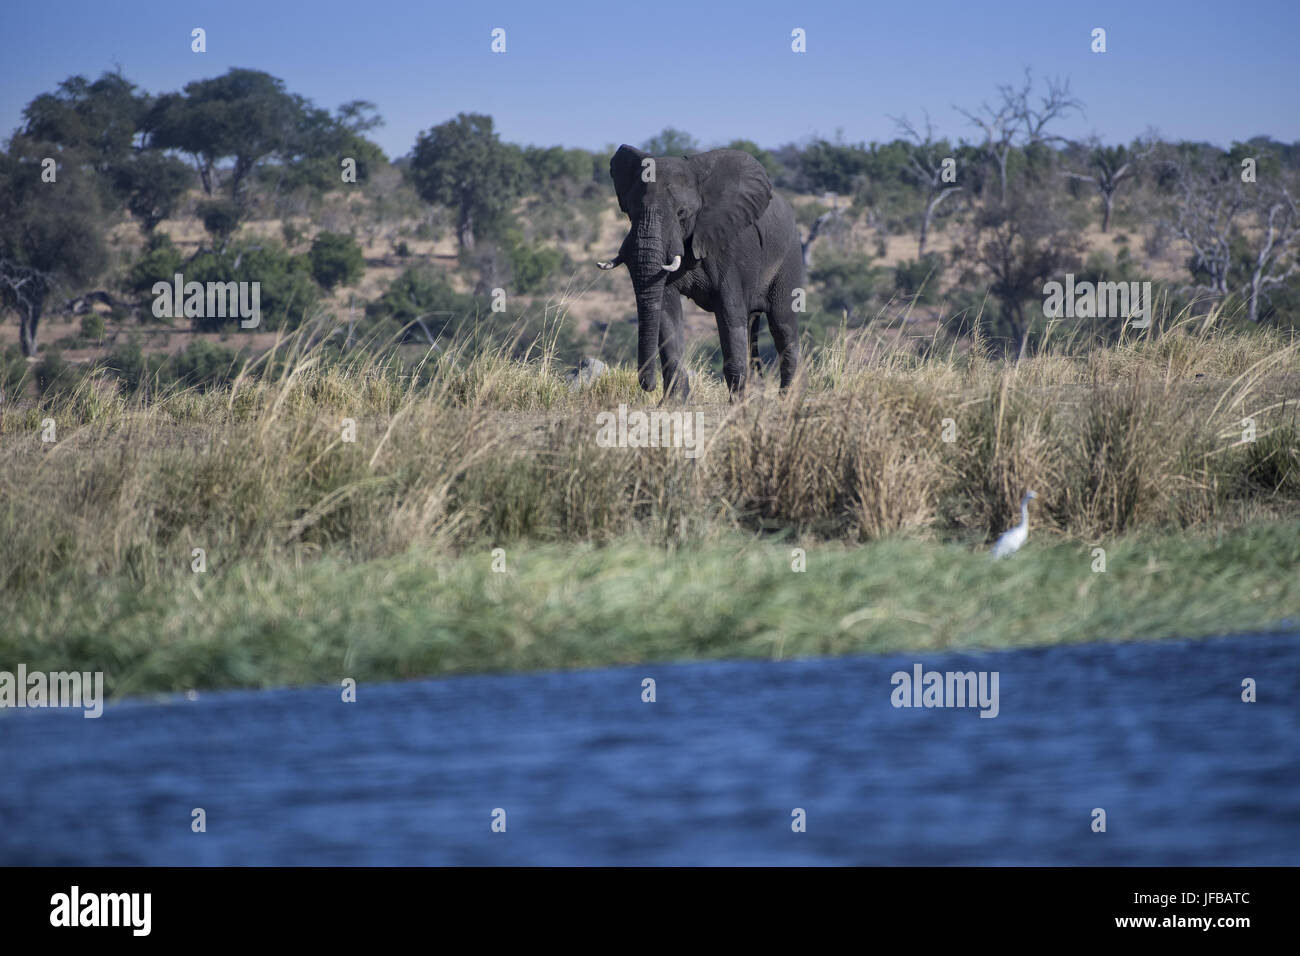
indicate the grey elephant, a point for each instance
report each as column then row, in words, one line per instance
column 708, row 227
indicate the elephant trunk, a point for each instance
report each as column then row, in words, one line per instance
column 648, row 277
column 649, row 307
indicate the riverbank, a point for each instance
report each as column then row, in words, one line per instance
column 426, row 613
column 332, row 514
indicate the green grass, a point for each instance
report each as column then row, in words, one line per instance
column 561, row 606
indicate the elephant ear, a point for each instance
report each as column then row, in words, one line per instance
column 625, row 170
column 734, row 192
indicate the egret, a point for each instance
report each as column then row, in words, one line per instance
column 1011, row 541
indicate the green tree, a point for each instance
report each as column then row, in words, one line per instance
column 848, row 284
column 833, row 167
column 99, row 126
column 98, row 119
column 151, row 184
column 464, row 165
column 51, row 234
column 244, row 115
column 671, row 142
column 313, row 153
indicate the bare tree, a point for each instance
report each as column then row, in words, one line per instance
column 24, row 289
column 925, row 168
column 1021, row 245
column 1276, row 258
column 1209, row 204
column 1017, row 122
column 820, row 224
column 1111, row 166
column 1244, row 236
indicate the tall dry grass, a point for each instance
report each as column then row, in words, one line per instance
column 456, row 448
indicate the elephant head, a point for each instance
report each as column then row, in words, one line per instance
column 682, row 210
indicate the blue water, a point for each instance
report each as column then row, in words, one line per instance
column 1156, row 734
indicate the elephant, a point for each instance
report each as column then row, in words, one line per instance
column 708, row 227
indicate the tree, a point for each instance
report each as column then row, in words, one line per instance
column 848, row 284
column 671, row 142
column 244, row 115
column 99, row 125
column 925, row 169
column 1017, row 123
column 826, row 166
column 463, row 164
column 99, row 120
column 1244, row 236
column 51, row 234
column 1022, row 244
column 422, row 297
column 286, row 291
column 221, row 218
column 1275, row 246
column 151, row 184
column 313, row 152
column 560, row 175
column 1111, row 166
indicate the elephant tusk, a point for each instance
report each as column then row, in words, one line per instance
column 612, row 263
column 674, row 265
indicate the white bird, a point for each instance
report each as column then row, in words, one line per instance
column 1011, row 541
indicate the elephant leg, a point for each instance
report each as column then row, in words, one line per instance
column 783, row 322
column 755, row 364
column 672, row 347
column 733, row 330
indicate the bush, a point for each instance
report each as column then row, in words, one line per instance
column 286, row 294
column 92, row 327
column 336, row 260
column 531, row 265
column 848, row 284
column 425, row 294
column 159, row 263
column 13, row 371
column 220, row 218
column 132, row 368
column 54, row 376
column 204, row 365
column 913, row 275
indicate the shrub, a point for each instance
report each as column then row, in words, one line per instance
column 54, row 376
column 423, row 294
column 913, row 275
column 531, row 265
column 336, row 260
column 287, row 292
column 160, row 262
column 220, row 218
column 848, row 284
column 92, row 327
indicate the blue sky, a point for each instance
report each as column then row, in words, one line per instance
column 586, row 73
